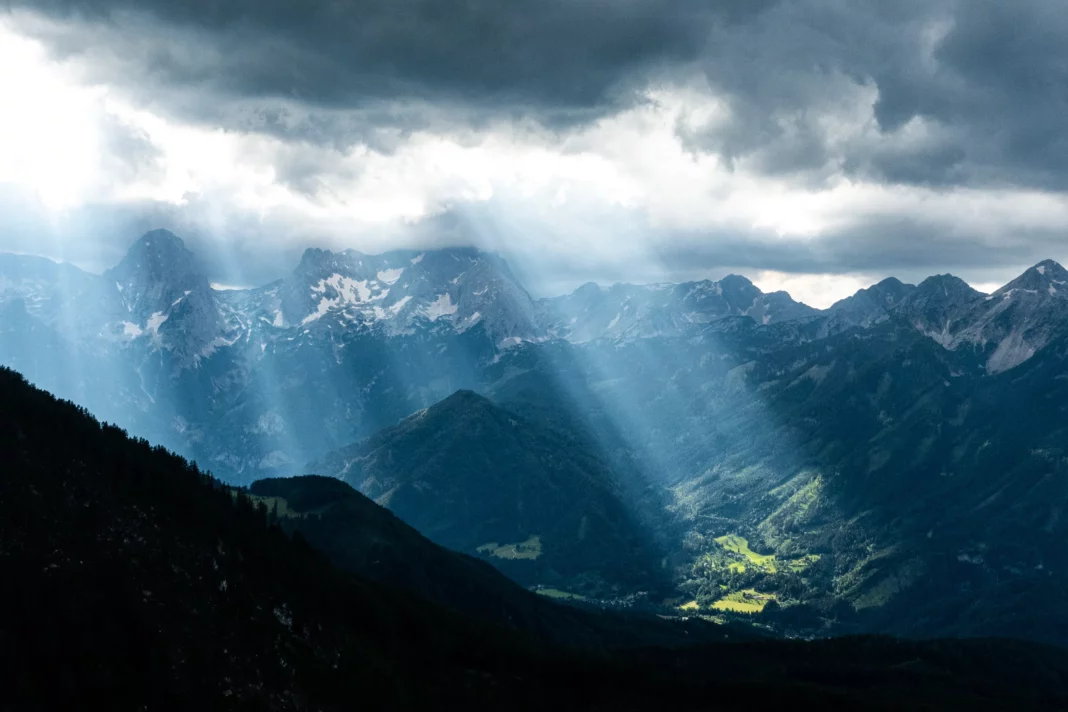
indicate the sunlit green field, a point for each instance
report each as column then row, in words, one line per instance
column 768, row 563
column 745, row 601
column 739, row 545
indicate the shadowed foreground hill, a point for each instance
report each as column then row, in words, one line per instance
column 132, row 581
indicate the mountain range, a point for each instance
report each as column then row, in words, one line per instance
column 894, row 463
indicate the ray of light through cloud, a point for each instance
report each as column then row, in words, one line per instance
column 629, row 196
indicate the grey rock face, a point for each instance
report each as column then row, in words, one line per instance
column 401, row 291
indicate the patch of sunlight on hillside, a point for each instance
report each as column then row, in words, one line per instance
column 746, row 601
column 740, row 545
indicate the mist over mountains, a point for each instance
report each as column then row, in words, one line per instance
column 894, row 463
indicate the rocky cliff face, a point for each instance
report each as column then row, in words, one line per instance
column 167, row 298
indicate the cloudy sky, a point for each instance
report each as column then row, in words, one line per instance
column 812, row 145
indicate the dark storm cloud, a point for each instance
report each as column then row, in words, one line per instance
column 906, row 245
column 944, row 94
column 559, row 60
column 987, row 80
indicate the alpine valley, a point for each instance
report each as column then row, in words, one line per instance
column 893, row 464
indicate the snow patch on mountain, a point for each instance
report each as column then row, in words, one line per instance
column 155, row 322
column 390, row 276
column 442, row 306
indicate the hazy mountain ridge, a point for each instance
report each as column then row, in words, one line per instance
column 159, row 292
column 243, row 380
column 645, row 311
column 833, row 441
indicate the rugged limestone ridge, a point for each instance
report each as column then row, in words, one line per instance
column 1005, row 328
column 937, row 304
column 256, row 381
column 643, row 311
column 868, row 306
column 167, row 296
column 159, row 297
column 1017, row 321
column 404, row 290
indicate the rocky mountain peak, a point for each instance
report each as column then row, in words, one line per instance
column 157, row 270
column 166, row 295
column 947, row 284
column 317, row 260
column 460, row 287
column 1045, row 278
column 940, row 292
column 889, row 292
column 736, row 281
column 868, row 306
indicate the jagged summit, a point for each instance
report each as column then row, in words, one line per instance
column 159, row 254
column 946, row 283
column 943, row 293
column 160, row 237
column 167, row 296
column 461, row 287
column 632, row 311
column 157, row 270
column 1045, row 278
column 735, row 281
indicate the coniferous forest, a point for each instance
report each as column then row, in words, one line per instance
column 132, row 580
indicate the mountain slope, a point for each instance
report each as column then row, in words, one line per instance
column 167, row 296
column 368, row 540
column 874, row 468
column 1018, row 320
column 132, row 581
column 479, row 479
column 253, row 382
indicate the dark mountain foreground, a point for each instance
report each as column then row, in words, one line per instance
column 133, row 581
